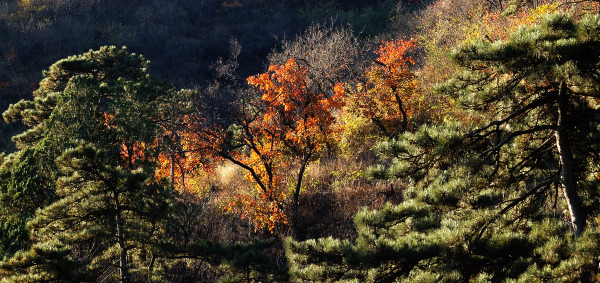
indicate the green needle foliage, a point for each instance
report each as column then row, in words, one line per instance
column 25, row 185
column 97, row 115
column 507, row 192
column 239, row 262
column 80, row 201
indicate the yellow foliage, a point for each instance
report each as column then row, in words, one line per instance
column 496, row 26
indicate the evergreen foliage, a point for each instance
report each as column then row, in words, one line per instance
column 508, row 191
column 89, row 204
column 120, row 178
column 240, row 261
column 25, row 185
column 96, row 115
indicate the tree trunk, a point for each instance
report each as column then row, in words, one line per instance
column 402, row 111
column 567, row 164
column 380, row 125
column 172, row 170
column 296, row 199
column 183, row 188
column 123, row 276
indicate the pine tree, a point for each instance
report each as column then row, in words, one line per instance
column 25, row 186
column 509, row 191
column 538, row 91
column 97, row 115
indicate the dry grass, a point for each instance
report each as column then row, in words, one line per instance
column 229, row 182
column 336, row 190
column 229, row 175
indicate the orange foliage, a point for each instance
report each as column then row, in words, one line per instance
column 264, row 205
column 292, row 126
column 185, row 159
column 130, row 152
column 108, row 120
column 390, row 95
column 181, row 162
column 302, row 116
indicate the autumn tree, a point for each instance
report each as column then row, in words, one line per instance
column 389, row 94
column 184, row 159
column 282, row 123
column 387, row 99
column 296, row 119
column 446, row 24
column 279, row 126
column 289, row 123
column 330, row 55
column 508, row 192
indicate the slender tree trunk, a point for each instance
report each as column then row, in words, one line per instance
column 380, row 125
column 172, row 170
column 567, row 164
column 402, row 111
column 130, row 155
column 123, row 274
column 183, row 188
column 151, row 265
column 296, row 199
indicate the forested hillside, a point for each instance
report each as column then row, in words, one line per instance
column 292, row 141
column 182, row 39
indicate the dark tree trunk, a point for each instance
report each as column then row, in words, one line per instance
column 123, row 274
column 297, row 189
column 380, row 125
column 567, row 164
column 172, row 170
column 402, row 111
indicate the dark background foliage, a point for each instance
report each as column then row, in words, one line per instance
column 182, row 38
